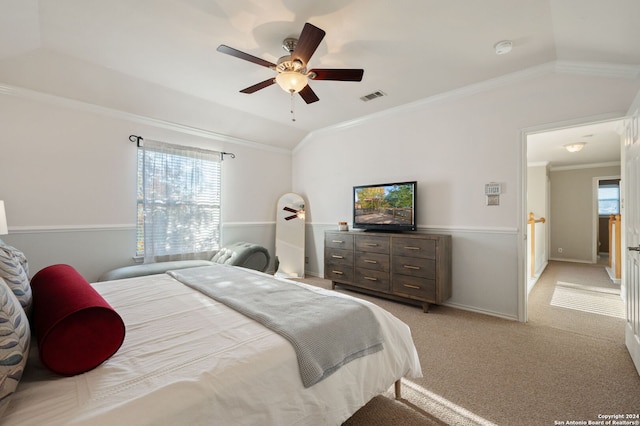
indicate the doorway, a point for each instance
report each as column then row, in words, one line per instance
column 567, row 185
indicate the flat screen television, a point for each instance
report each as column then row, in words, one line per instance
column 385, row 207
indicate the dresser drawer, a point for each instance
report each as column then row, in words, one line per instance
column 338, row 240
column 338, row 256
column 372, row 243
column 338, row 272
column 374, row 280
column 374, row 261
column 413, row 266
column 414, row 247
column 415, row 287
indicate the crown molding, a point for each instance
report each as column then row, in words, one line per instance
column 598, row 69
column 585, row 166
column 592, row 69
column 484, row 86
column 20, row 92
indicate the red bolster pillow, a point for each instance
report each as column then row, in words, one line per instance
column 77, row 330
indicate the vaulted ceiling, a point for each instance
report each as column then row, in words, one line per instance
column 409, row 49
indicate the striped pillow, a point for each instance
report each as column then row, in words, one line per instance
column 15, row 277
column 14, row 344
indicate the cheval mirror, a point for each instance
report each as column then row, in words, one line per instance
column 290, row 221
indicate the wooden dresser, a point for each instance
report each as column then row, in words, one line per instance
column 408, row 267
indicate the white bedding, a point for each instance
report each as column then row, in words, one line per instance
column 187, row 359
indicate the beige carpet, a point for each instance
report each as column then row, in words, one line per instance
column 565, row 365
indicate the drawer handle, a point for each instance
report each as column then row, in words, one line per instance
column 371, row 245
column 337, row 241
column 337, row 256
column 370, row 261
column 338, row 272
column 370, row 278
column 411, row 248
column 415, row 287
column 411, row 267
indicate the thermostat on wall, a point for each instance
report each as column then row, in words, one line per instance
column 492, row 188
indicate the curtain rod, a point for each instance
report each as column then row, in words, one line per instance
column 139, row 140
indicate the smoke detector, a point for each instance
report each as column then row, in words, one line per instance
column 503, row 47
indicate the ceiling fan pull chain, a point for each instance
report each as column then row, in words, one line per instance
column 293, row 114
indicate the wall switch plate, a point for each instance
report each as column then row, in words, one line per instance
column 493, row 200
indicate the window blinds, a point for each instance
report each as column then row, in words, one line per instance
column 179, row 192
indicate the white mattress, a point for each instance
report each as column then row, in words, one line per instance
column 187, row 359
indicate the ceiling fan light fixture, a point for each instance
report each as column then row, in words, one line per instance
column 292, row 81
column 574, row 147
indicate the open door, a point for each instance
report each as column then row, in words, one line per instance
column 632, row 231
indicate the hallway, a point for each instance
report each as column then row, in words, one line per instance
column 578, row 298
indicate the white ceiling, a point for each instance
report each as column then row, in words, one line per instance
column 410, row 49
column 602, row 145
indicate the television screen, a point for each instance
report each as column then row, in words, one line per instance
column 385, row 207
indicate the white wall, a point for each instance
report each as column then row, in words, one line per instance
column 452, row 147
column 573, row 215
column 68, row 179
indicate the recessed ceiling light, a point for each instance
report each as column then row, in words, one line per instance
column 503, row 47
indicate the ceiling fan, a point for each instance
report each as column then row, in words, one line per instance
column 296, row 213
column 293, row 76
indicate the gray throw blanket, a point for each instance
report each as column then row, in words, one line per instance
column 325, row 331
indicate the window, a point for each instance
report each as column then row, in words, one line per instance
column 178, row 200
column 609, row 197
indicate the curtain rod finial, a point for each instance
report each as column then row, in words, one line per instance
column 137, row 139
column 222, row 154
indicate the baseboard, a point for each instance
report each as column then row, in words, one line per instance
column 481, row 311
column 531, row 282
column 612, row 275
column 450, row 305
column 563, row 259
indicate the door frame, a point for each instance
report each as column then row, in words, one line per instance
column 523, row 296
column 596, row 216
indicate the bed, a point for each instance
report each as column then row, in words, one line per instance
column 190, row 359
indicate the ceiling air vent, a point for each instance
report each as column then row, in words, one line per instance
column 373, row 95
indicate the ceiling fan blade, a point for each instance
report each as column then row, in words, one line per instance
column 291, row 217
column 256, row 87
column 289, row 209
column 308, row 42
column 337, row 74
column 241, row 55
column 309, row 95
